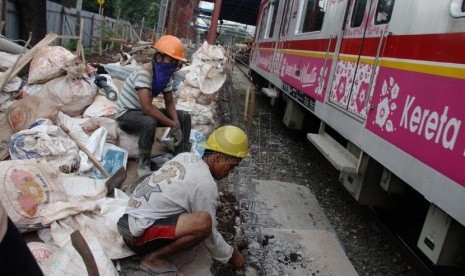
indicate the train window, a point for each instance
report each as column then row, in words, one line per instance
column 457, row 8
column 358, row 13
column 384, row 11
column 263, row 21
column 313, row 12
column 271, row 23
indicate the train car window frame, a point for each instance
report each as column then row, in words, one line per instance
column 263, row 23
column 384, row 11
column 358, row 13
column 271, row 22
column 305, row 20
column 457, row 8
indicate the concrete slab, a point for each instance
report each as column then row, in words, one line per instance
column 288, row 206
column 296, row 237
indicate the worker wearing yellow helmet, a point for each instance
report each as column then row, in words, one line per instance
column 175, row 207
column 135, row 112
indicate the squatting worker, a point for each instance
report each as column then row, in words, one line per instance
column 175, row 207
column 135, row 112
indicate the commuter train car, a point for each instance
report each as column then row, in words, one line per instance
column 388, row 76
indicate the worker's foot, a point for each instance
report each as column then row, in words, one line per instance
column 160, row 267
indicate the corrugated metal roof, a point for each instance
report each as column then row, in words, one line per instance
column 241, row 11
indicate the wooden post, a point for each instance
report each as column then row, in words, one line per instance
column 141, row 28
column 80, row 47
column 101, row 32
column 124, row 35
column 246, row 104
column 251, row 112
column 153, row 32
column 62, row 22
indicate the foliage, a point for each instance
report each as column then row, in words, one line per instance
column 127, row 10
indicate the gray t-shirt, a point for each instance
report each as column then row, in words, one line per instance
column 183, row 184
column 129, row 97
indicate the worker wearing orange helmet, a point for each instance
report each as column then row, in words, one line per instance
column 175, row 207
column 135, row 112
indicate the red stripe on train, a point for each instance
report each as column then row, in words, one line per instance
column 430, row 47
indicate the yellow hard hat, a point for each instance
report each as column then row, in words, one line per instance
column 172, row 46
column 230, row 140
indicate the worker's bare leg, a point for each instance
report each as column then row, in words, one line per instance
column 190, row 230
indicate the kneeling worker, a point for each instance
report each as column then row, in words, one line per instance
column 175, row 207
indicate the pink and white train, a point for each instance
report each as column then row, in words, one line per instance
column 389, row 77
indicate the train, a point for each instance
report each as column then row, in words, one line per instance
column 384, row 80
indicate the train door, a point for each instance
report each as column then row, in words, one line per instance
column 364, row 33
column 281, row 36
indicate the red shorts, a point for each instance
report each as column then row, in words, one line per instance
column 159, row 234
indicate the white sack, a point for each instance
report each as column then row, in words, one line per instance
column 49, row 63
column 28, row 187
column 46, row 140
column 211, row 78
column 102, row 224
column 66, row 260
column 75, row 94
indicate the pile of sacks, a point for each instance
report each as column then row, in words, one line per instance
column 50, row 185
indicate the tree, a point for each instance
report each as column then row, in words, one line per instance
column 32, row 15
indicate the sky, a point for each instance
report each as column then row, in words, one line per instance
column 208, row 5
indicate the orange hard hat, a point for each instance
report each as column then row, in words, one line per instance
column 172, row 46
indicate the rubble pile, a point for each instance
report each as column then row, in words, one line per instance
column 51, row 186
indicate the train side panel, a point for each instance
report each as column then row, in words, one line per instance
column 388, row 76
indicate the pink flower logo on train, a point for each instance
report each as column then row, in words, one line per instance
column 341, row 89
column 360, row 102
column 387, row 105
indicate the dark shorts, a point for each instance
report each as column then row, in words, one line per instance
column 159, row 234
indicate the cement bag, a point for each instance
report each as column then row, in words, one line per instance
column 188, row 92
column 200, row 114
column 75, row 94
column 28, row 187
column 205, row 130
column 195, row 138
column 208, row 52
column 89, row 125
column 26, row 111
column 46, row 140
column 111, row 156
column 10, row 92
column 80, row 188
column 32, row 89
column 7, row 60
column 49, row 63
column 65, row 260
column 102, row 225
column 5, row 138
column 101, row 107
column 211, row 78
column 192, row 78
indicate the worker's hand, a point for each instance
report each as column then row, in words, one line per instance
column 176, row 133
column 237, row 260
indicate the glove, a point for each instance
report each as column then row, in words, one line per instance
column 176, row 133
